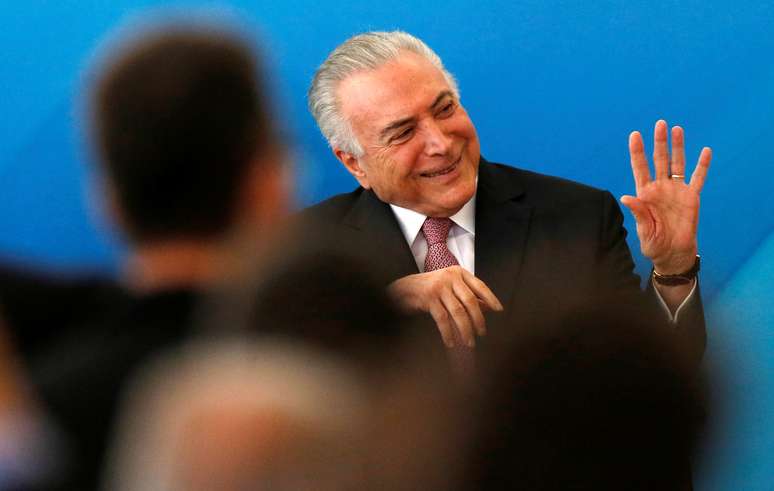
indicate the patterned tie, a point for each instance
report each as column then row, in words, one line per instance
column 436, row 231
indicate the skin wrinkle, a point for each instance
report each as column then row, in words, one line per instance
column 402, row 122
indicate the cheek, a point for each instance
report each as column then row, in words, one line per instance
column 403, row 162
column 467, row 130
column 463, row 126
column 385, row 174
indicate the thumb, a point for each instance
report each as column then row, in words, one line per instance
column 638, row 209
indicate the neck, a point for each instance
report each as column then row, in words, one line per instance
column 175, row 264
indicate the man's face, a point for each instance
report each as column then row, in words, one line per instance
column 421, row 150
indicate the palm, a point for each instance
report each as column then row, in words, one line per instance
column 666, row 208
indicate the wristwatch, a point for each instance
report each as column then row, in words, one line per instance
column 680, row 278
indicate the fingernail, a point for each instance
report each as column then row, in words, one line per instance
column 472, row 343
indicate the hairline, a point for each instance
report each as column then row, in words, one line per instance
column 329, row 113
column 450, row 90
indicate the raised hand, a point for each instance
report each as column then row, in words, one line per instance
column 666, row 208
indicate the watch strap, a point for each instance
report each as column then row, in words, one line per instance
column 680, row 278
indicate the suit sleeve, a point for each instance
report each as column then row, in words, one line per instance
column 617, row 267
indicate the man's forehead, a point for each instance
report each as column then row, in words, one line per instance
column 400, row 88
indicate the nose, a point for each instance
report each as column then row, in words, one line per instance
column 437, row 140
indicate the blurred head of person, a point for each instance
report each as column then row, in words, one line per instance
column 235, row 415
column 605, row 399
column 184, row 137
column 336, row 306
column 269, row 412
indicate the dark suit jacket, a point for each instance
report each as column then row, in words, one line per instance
column 81, row 378
column 41, row 308
column 544, row 245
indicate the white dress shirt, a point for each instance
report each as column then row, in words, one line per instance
column 461, row 242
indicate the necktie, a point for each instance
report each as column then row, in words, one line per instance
column 436, row 232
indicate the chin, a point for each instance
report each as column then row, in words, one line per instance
column 452, row 206
column 465, row 191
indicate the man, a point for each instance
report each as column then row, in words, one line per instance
column 190, row 162
column 457, row 236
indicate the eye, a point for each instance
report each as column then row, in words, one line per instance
column 402, row 136
column 447, row 109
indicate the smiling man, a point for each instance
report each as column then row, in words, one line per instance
column 457, row 236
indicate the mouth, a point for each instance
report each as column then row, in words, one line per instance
column 443, row 171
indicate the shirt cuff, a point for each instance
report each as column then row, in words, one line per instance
column 688, row 300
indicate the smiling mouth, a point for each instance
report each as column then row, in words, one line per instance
column 443, row 171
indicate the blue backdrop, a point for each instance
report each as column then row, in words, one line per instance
column 553, row 86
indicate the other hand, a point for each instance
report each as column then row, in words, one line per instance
column 453, row 297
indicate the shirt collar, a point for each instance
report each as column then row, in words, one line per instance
column 411, row 221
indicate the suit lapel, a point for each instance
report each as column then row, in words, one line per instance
column 378, row 232
column 502, row 225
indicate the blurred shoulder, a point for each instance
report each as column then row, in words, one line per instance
column 332, row 209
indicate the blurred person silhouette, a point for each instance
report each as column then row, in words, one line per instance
column 337, row 304
column 29, row 446
column 323, row 298
column 603, row 400
column 237, row 415
column 324, row 387
column 272, row 415
column 191, row 163
column 42, row 307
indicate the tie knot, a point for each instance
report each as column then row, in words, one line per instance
column 436, row 230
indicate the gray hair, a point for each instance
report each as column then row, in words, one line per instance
column 366, row 51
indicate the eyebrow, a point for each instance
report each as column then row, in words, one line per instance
column 440, row 98
column 400, row 122
column 395, row 124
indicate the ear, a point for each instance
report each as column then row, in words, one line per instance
column 266, row 192
column 353, row 165
column 106, row 208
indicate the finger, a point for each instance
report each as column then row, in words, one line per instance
column 700, row 172
column 443, row 322
column 640, row 212
column 660, row 151
column 639, row 162
column 678, row 151
column 470, row 301
column 459, row 316
column 482, row 291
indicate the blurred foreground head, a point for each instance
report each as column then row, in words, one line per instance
column 236, row 416
column 182, row 130
column 323, row 387
column 270, row 414
column 606, row 399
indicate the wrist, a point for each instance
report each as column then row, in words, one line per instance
column 684, row 277
column 675, row 264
